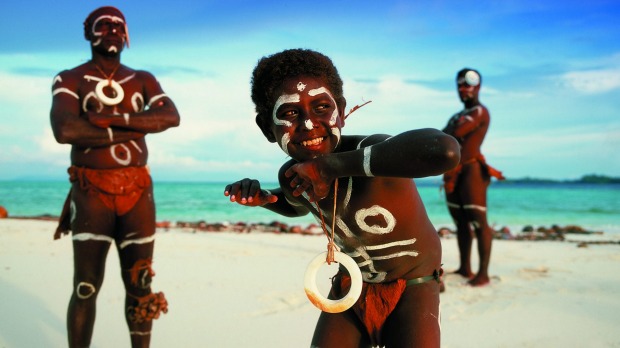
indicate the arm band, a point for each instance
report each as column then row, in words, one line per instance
column 367, row 153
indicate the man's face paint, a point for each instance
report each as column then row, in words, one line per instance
column 109, row 24
column 306, row 118
column 468, row 85
column 471, row 78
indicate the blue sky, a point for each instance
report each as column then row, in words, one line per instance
column 551, row 77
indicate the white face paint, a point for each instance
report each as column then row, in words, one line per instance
column 296, row 98
column 284, row 142
column 283, row 99
column 98, row 34
column 317, row 91
column 336, row 133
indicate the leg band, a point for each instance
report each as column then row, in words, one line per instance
column 453, row 205
column 86, row 236
column 147, row 307
column 436, row 276
column 474, row 206
column 140, row 333
column 141, row 273
column 144, row 240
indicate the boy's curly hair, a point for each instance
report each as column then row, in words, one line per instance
column 271, row 71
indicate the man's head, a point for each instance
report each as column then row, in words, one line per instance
column 299, row 101
column 107, row 24
column 468, row 83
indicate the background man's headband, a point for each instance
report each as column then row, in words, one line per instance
column 471, row 77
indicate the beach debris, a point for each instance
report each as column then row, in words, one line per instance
column 530, row 233
column 555, row 232
column 243, row 227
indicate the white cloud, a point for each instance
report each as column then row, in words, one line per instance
column 592, row 81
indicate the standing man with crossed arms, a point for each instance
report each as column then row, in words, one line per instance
column 466, row 185
column 104, row 110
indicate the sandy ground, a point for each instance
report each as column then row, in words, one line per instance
column 246, row 290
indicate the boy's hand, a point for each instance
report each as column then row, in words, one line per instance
column 248, row 192
column 306, row 177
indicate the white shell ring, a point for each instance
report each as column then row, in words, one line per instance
column 323, row 303
column 120, row 94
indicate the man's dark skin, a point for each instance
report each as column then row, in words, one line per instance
column 107, row 133
column 467, row 200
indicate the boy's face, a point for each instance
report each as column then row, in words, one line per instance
column 306, row 120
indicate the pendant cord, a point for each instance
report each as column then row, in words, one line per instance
column 106, row 76
column 331, row 245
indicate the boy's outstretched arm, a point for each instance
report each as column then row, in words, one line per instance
column 412, row 154
column 248, row 192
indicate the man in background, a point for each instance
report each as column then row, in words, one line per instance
column 104, row 110
column 466, row 185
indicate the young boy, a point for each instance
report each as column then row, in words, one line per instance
column 381, row 221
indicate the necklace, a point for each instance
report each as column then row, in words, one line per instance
column 331, row 246
column 332, row 255
column 118, row 93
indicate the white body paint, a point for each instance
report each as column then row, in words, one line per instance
column 367, row 155
column 474, row 206
column 156, row 98
column 129, row 242
column 135, row 98
column 370, row 272
column 375, row 210
column 135, row 145
column 124, row 162
column 97, row 98
column 84, row 285
column 65, row 90
column 86, row 236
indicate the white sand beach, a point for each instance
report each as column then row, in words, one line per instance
column 246, row 290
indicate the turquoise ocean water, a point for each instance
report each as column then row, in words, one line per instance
column 595, row 207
